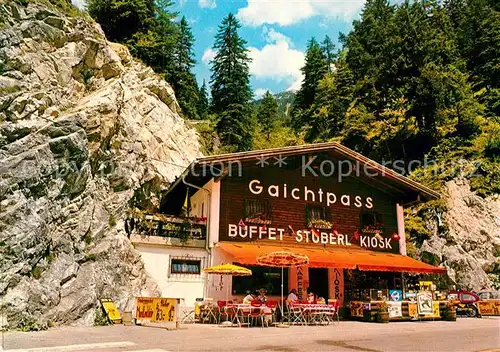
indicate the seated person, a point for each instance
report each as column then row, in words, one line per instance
column 248, row 298
column 320, row 300
column 292, row 296
column 311, row 298
column 262, row 295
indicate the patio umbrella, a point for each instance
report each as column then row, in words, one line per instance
column 282, row 260
column 228, row 269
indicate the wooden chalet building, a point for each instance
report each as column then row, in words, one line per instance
column 341, row 209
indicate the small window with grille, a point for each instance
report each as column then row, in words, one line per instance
column 318, row 217
column 371, row 222
column 185, row 266
column 258, row 211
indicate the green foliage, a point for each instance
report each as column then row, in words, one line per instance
column 314, row 69
column 183, row 80
column 149, row 29
column 267, row 114
column 112, row 221
column 36, row 272
column 87, row 75
column 230, row 86
column 202, row 105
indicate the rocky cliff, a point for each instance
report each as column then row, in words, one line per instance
column 84, row 129
column 465, row 237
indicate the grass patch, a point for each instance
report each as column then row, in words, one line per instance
column 9, row 89
column 112, row 221
column 36, row 272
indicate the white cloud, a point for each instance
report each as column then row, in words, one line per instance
column 259, row 92
column 285, row 12
column 277, row 60
column 207, row 4
column 208, row 55
column 79, row 3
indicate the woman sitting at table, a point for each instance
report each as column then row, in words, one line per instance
column 248, row 298
column 292, row 296
column 311, row 298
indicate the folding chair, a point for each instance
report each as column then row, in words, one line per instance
column 187, row 315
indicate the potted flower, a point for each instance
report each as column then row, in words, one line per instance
column 383, row 312
column 320, row 224
column 450, row 312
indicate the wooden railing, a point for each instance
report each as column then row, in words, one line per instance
column 182, row 228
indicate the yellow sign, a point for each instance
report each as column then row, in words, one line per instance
column 356, row 309
column 425, row 285
column 435, row 309
column 111, row 310
column 489, row 307
column 155, row 309
column 412, row 309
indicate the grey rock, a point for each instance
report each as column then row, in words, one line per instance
column 83, row 130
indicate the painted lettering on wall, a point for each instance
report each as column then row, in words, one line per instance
column 310, row 195
column 255, row 232
column 300, row 283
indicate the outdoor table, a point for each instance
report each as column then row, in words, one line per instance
column 208, row 313
column 242, row 308
column 312, row 313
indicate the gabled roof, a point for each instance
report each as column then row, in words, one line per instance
column 385, row 176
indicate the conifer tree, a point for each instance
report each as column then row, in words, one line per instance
column 230, row 86
column 202, row 107
column 267, row 114
column 314, row 69
column 182, row 78
column 328, row 52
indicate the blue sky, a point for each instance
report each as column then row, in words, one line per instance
column 277, row 32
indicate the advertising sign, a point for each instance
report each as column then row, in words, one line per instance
column 155, row 309
column 412, row 310
column 336, row 280
column 489, row 307
column 424, row 303
column 395, row 295
column 356, row 309
column 111, row 310
column 435, row 309
column 394, row 309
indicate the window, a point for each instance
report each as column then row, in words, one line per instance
column 185, row 266
column 258, row 211
column 318, row 217
column 371, row 222
column 262, row 277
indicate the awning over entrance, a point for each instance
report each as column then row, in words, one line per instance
column 245, row 253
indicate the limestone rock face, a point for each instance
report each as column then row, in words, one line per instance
column 82, row 128
column 466, row 238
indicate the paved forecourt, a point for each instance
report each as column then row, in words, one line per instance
column 464, row 335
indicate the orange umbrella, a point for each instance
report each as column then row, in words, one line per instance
column 282, row 260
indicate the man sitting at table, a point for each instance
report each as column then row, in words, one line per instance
column 248, row 298
column 262, row 295
column 311, row 298
column 292, row 296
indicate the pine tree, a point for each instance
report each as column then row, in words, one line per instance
column 267, row 114
column 314, row 69
column 202, row 107
column 182, row 78
column 230, row 85
column 328, row 52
